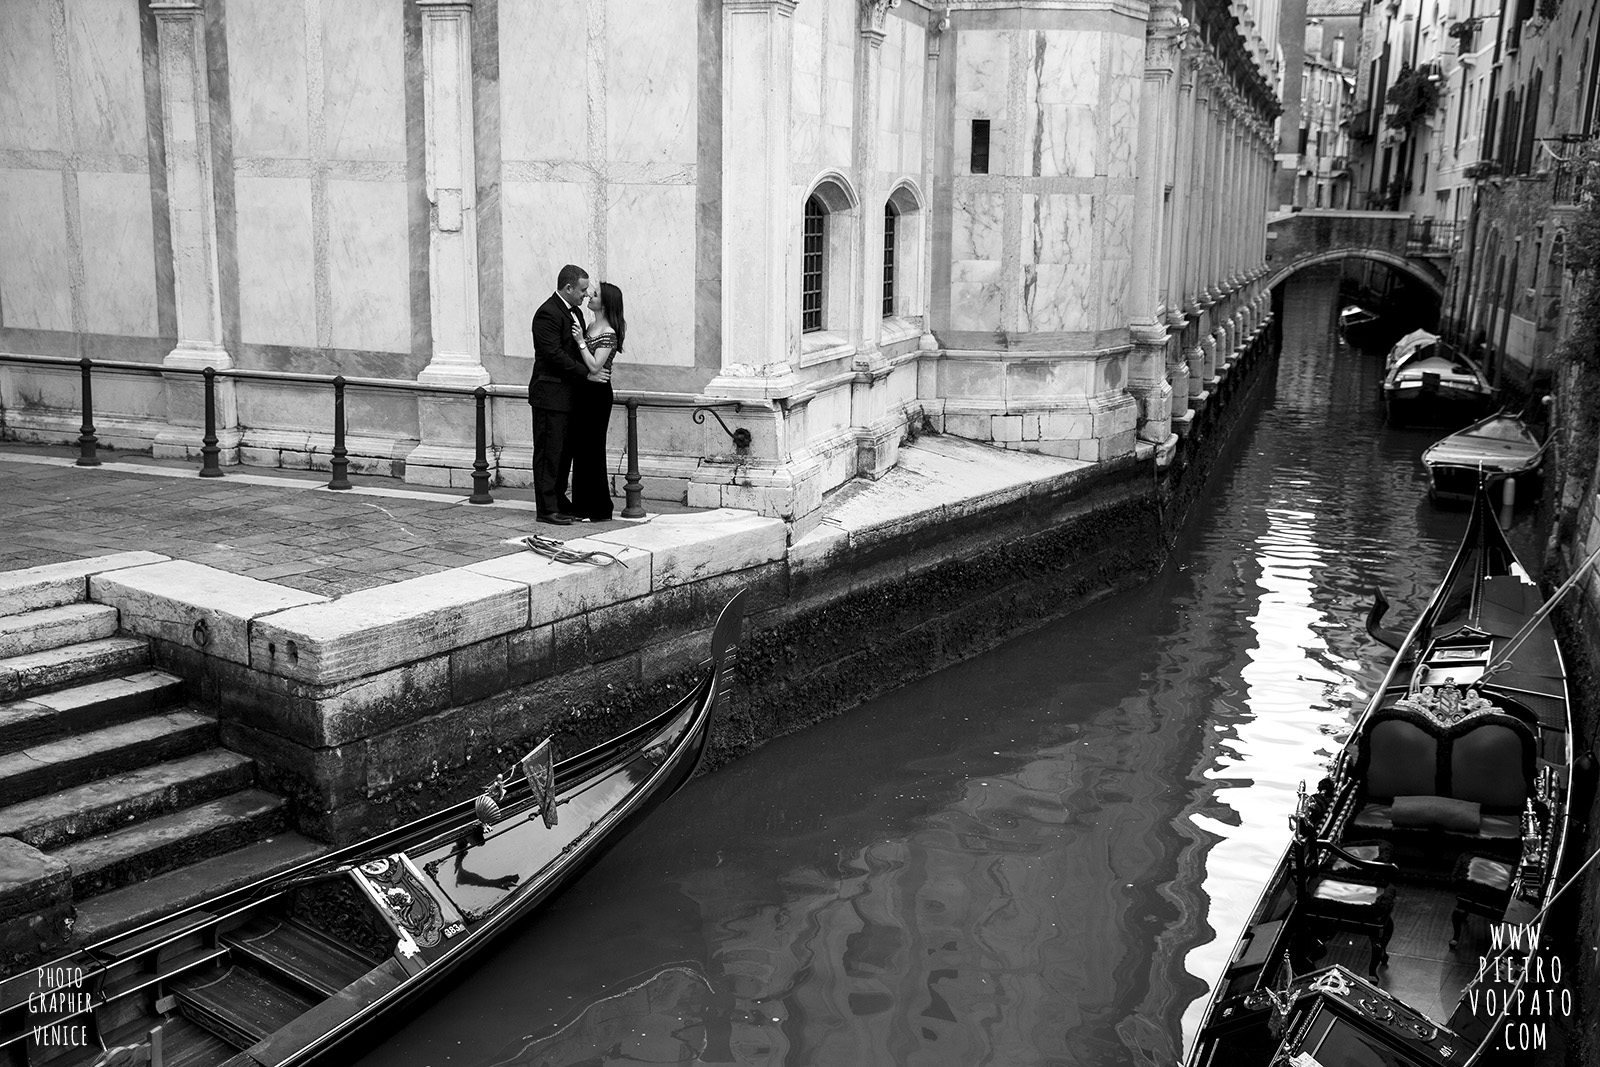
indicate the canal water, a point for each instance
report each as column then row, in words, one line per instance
column 1040, row 856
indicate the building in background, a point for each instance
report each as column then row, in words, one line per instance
column 1536, row 74
column 1327, row 94
column 1036, row 225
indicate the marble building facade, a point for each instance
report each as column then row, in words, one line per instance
column 789, row 192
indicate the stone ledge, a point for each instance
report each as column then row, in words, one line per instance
column 171, row 600
column 375, row 629
column 63, row 583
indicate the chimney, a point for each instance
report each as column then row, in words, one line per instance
column 1314, row 37
column 1338, row 51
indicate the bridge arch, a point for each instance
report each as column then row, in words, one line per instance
column 1422, row 271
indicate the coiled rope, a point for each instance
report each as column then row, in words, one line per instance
column 557, row 550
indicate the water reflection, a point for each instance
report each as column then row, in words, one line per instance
column 1041, row 856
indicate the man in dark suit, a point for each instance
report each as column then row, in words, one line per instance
column 557, row 368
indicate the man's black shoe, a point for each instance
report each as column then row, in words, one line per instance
column 557, row 519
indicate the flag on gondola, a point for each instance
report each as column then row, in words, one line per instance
column 539, row 766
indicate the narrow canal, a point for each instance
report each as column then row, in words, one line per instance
column 1040, row 856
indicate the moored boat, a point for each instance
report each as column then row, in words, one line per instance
column 1493, row 450
column 1406, row 915
column 1357, row 325
column 305, row 966
column 1428, row 381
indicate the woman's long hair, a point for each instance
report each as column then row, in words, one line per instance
column 611, row 304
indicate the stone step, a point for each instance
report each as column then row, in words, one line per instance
column 161, row 844
column 89, row 706
column 46, row 628
column 62, row 583
column 42, row 672
column 120, row 910
column 70, row 761
column 59, row 819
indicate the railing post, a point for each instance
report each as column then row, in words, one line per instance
column 208, row 448
column 86, row 438
column 633, row 486
column 480, row 462
column 341, row 462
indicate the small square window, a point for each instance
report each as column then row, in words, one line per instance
column 980, row 146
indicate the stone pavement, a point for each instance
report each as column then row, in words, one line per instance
column 279, row 526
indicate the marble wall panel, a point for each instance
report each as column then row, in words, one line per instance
column 976, row 219
column 805, row 115
column 267, row 78
column 277, row 304
column 544, row 80
column 363, row 60
column 975, row 294
column 650, row 255
column 369, row 266
column 1058, row 290
column 1061, row 93
column 983, row 69
column 28, row 116
column 107, row 76
column 910, row 161
column 1116, row 242
column 1119, row 114
column 545, row 225
column 119, row 284
column 35, row 286
column 651, row 70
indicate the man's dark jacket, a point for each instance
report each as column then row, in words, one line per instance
column 557, row 364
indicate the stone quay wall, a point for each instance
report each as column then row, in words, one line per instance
column 383, row 704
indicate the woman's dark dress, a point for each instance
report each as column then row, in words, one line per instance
column 591, row 414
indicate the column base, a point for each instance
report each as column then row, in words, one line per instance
column 754, row 387
column 197, row 355
column 462, row 373
column 785, row 492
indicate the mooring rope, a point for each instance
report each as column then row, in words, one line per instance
column 557, row 550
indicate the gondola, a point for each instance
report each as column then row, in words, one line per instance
column 310, row 965
column 1357, row 325
column 1495, row 450
column 1427, row 381
column 1407, row 911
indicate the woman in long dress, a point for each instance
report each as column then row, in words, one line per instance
column 591, row 408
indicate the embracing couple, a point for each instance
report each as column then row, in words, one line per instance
column 570, row 392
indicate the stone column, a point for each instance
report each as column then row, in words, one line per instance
column 445, row 423
column 1178, row 278
column 877, row 435
column 1147, row 365
column 191, row 208
column 760, row 222
column 758, row 214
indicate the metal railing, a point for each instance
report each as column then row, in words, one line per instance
column 633, row 484
column 1566, row 188
column 1432, row 237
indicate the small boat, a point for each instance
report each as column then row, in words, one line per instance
column 1493, row 450
column 1448, row 806
column 305, row 967
column 1427, row 381
column 1357, row 325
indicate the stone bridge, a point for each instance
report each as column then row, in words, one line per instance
column 1419, row 248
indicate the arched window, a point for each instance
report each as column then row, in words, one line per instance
column 811, row 266
column 902, row 249
column 827, row 262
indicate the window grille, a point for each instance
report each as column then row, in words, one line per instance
column 889, row 217
column 811, row 267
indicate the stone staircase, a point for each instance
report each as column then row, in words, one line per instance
column 108, row 776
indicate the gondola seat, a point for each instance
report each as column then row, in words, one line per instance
column 1337, row 889
column 1483, row 887
column 1430, row 787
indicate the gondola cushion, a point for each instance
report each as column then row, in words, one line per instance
column 1402, row 760
column 1442, row 813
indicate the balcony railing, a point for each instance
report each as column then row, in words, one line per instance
column 1432, row 237
column 1567, row 182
